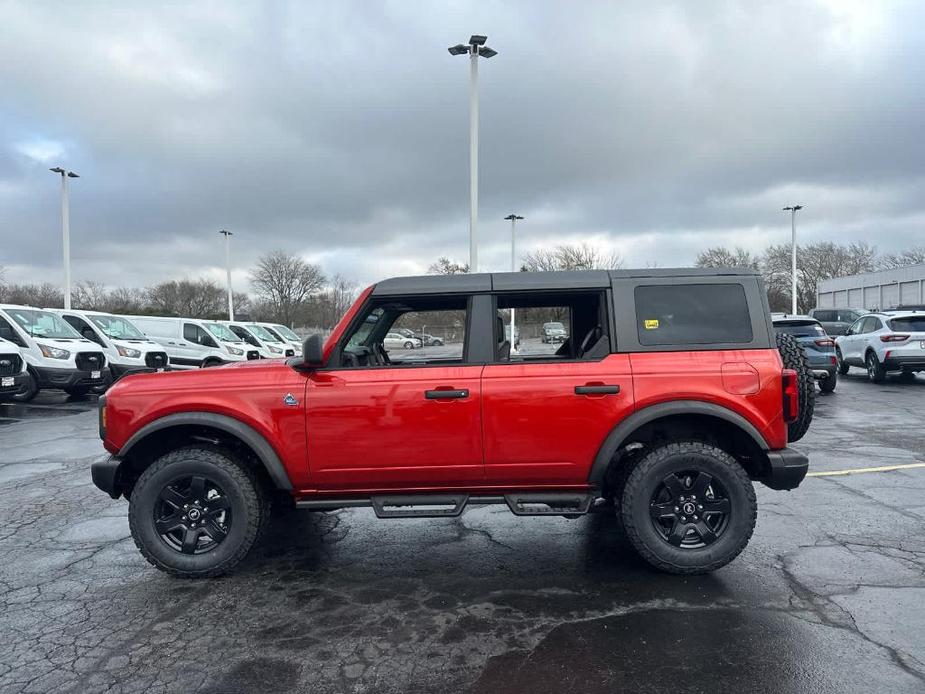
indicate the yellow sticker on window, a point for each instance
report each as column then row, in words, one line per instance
column 652, row 324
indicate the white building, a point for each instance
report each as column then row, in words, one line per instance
column 874, row 291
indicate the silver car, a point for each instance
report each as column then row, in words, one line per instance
column 399, row 341
column 883, row 342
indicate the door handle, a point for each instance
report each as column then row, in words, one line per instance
column 601, row 389
column 455, row 394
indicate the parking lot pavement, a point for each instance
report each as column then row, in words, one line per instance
column 828, row 597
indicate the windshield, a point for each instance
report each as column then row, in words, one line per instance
column 914, row 324
column 222, row 332
column 261, row 333
column 554, row 327
column 286, row 333
column 800, row 329
column 43, row 324
column 117, row 328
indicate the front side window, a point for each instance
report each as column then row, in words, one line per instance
column 43, row 324
column 83, row 328
column 413, row 331
column 8, row 333
column 692, row 314
column 195, row 334
column 856, row 328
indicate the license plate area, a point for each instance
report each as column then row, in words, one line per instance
column 94, row 374
column 7, row 382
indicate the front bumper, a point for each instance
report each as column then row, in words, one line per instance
column 48, row 377
column 786, row 469
column 120, row 370
column 105, row 474
column 20, row 385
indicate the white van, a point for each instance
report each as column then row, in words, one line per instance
column 271, row 346
column 56, row 355
column 191, row 343
column 16, row 383
column 125, row 346
column 285, row 335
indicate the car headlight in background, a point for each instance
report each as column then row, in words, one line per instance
column 54, row 352
column 274, row 350
column 128, row 352
column 235, row 351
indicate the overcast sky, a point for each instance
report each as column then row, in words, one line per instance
column 339, row 131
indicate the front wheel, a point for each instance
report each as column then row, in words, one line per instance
column 688, row 507
column 409, row 345
column 32, row 389
column 196, row 512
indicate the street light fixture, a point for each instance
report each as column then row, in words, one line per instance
column 474, row 50
column 228, row 235
column 65, row 231
column 793, row 251
column 514, row 219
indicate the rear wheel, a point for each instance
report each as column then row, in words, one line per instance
column 688, row 507
column 827, row 384
column 196, row 512
column 842, row 366
column 795, row 358
column 409, row 345
column 875, row 371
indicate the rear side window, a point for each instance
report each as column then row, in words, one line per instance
column 825, row 315
column 912, row 324
column 692, row 314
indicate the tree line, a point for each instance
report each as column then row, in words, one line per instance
column 287, row 289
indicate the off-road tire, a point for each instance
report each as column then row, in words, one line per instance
column 875, row 370
column 249, row 505
column 827, row 384
column 647, row 475
column 795, row 358
column 842, row 366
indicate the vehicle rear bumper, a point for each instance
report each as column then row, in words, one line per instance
column 786, row 469
column 69, row 378
column 105, row 475
column 911, row 362
column 20, row 384
column 820, row 373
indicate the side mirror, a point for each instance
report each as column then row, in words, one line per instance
column 313, row 351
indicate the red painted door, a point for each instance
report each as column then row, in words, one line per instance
column 403, row 427
column 539, row 430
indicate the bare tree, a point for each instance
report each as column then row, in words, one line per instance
column 45, row 295
column 891, row 261
column 445, row 266
column 285, row 282
column 571, row 256
column 90, row 295
column 128, row 300
column 199, row 299
column 718, row 256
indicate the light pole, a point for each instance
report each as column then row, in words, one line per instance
column 66, row 231
column 228, row 235
column 475, row 49
column 793, row 250
column 513, row 217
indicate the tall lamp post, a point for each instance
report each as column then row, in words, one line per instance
column 66, row 231
column 514, row 218
column 793, row 250
column 228, row 235
column 474, row 50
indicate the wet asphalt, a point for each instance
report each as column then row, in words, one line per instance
column 828, row 597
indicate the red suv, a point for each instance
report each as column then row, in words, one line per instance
column 670, row 396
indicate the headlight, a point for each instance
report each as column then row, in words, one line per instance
column 128, row 352
column 235, row 351
column 54, row 352
column 274, row 350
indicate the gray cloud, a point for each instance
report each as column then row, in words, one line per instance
column 340, row 131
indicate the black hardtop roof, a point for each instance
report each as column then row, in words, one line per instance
column 525, row 281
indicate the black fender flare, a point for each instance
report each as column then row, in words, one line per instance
column 246, row 433
column 622, row 431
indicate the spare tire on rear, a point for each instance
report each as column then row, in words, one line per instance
column 795, row 358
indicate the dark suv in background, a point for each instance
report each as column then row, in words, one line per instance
column 836, row 321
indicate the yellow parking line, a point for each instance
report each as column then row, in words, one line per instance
column 885, row 468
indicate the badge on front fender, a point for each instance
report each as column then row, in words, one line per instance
column 290, row 400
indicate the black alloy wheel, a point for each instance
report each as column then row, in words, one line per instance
column 690, row 509
column 192, row 514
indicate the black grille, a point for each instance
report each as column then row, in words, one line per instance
column 10, row 364
column 89, row 361
column 156, row 360
column 253, row 354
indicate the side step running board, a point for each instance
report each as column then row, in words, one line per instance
column 419, row 505
column 548, row 503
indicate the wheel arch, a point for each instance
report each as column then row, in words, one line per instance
column 174, row 430
column 685, row 414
